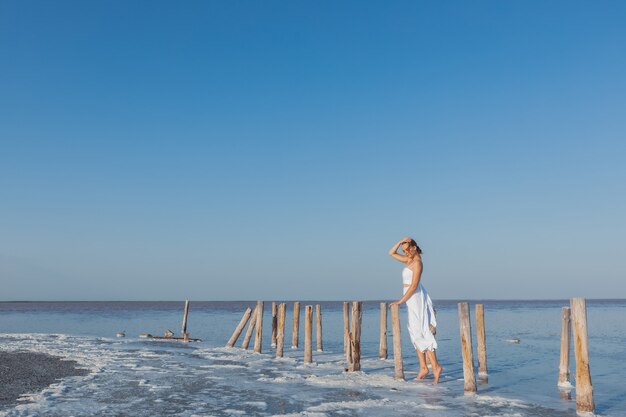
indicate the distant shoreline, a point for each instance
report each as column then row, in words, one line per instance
column 29, row 373
column 444, row 300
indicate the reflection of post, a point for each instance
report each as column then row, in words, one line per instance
column 382, row 349
column 566, row 330
column 355, row 338
column 584, row 389
column 259, row 327
column 308, row 334
column 296, row 325
column 318, row 327
column 466, row 347
column 397, row 343
column 280, row 337
column 184, row 327
column 233, row 339
column 346, row 331
column 481, row 342
column 274, row 323
column 248, row 336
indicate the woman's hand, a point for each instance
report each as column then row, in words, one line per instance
column 393, row 252
column 394, row 303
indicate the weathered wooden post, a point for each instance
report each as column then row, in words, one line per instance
column 397, row 343
column 355, row 338
column 296, row 325
column 259, row 327
column 184, row 327
column 382, row 348
column 280, row 337
column 233, row 339
column 318, row 327
column 346, row 328
column 566, row 330
column 248, row 336
column 481, row 342
column 584, row 389
column 308, row 334
column 274, row 323
column 466, row 347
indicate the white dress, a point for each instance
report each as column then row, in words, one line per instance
column 421, row 315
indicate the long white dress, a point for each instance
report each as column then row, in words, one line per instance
column 421, row 315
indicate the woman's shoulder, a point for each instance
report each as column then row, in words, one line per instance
column 417, row 261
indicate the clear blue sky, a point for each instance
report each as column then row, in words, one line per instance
column 276, row 150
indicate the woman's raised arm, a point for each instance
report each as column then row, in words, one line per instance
column 393, row 252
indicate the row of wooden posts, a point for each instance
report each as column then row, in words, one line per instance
column 574, row 317
column 278, row 328
column 575, row 314
column 352, row 318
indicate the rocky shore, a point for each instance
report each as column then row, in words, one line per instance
column 29, row 372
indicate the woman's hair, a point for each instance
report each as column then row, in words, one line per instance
column 413, row 243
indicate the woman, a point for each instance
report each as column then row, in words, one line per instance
column 422, row 323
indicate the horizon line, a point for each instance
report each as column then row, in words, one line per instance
column 302, row 301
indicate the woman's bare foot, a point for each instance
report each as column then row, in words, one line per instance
column 437, row 373
column 422, row 374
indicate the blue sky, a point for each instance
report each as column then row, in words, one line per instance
column 276, row 150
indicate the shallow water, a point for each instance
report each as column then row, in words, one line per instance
column 133, row 376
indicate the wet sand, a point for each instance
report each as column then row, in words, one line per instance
column 28, row 372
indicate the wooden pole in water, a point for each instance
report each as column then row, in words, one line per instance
column 274, row 323
column 233, row 339
column 566, row 331
column 346, row 334
column 346, row 328
column 280, row 337
column 355, row 338
column 382, row 349
column 397, row 343
column 466, row 348
column 296, row 325
column 584, row 389
column 308, row 334
column 248, row 336
column 259, row 327
column 318, row 327
column 184, row 327
column 481, row 341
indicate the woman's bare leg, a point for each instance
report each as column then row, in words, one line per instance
column 423, row 368
column 432, row 357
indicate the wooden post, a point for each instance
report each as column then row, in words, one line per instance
column 355, row 338
column 246, row 339
column 346, row 330
column 318, row 327
column 481, row 342
column 259, row 327
column 566, row 330
column 466, row 348
column 184, row 327
column 274, row 323
column 296, row 325
column 308, row 334
column 382, row 350
column 397, row 343
column 346, row 335
column 233, row 339
column 280, row 337
column 584, row 389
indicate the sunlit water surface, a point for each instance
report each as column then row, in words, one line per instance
column 139, row 377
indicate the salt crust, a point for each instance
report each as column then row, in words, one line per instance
column 98, row 357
